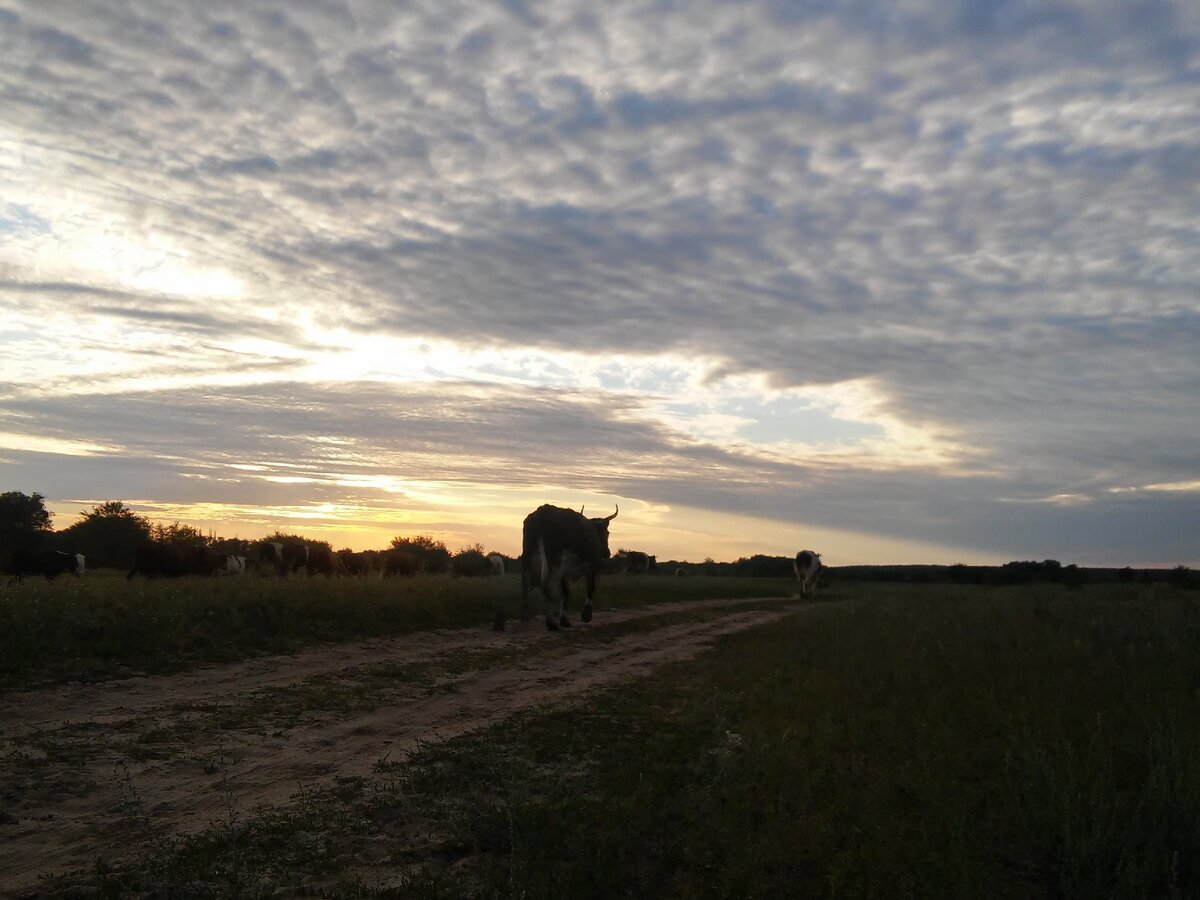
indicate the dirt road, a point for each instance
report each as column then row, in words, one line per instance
column 85, row 768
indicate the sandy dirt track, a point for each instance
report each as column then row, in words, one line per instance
column 86, row 768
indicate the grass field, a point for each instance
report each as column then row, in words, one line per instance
column 103, row 626
column 886, row 741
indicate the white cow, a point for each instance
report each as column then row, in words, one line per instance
column 808, row 569
column 497, row 562
column 234, row 565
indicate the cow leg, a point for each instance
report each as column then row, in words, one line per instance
column 548, row 593
column 526, row 587
column 564, row 593
column 586, row 615
column 552, row 588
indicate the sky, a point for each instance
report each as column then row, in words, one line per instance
column 900, row 282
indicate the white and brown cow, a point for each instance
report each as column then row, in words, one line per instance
column 808, row 570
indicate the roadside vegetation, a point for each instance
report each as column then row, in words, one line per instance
column 891, row 740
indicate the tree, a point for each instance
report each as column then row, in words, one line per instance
column 470, row 561
column 108, row 535
column 24, row 520
column 175, row 533
column 433, row 555
column 1184, row 578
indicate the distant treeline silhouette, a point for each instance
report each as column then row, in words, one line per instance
column 109, row 534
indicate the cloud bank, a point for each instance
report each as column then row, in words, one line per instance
column 925, row 270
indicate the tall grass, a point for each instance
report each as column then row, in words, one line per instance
column 104, row 626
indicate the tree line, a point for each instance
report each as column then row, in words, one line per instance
column 109, row 534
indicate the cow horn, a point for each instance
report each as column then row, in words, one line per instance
column 581, row 509
column 614, row 515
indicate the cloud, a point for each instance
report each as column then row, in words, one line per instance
column 983, row 211
column 370, row 446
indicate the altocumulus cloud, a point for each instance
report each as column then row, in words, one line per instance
column 981, row 214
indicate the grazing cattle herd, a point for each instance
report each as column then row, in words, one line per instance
column 558, row 546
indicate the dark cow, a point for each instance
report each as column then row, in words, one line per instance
column 634, row 562
column 161, row 559
column 47, row 563
column 351, row 563
column 557, row 546
column 285, row 557
column 155, row 559
column 320, row 561
column 808, row 568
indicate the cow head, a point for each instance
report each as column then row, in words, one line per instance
column 601, row 526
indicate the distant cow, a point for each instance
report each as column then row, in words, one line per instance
column 47, row 563
column 497, row 563
column 270, row 553
column 156, row 559
column 635, row 562
column 351, row 563
column 808, row 569
column 285, row 557
column 559, row 545
column 234, row 565
column 319, row 561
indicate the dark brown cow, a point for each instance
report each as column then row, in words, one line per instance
column 634, row 562
column 351, row 563
column 557, row 546
column 320, row 561
column 161, row 559
column 47, row 563
column 285, row 557
column 270, row 554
